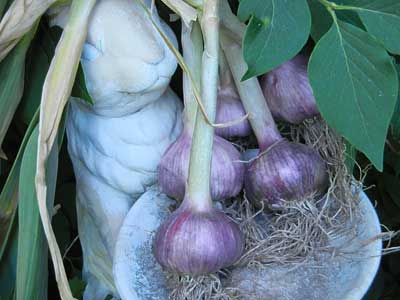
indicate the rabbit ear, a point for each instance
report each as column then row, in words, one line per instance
column 90, row 52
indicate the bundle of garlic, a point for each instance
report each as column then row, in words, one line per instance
column 116, row 144
column 134, row 135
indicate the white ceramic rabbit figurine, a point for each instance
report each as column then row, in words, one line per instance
column 116, row 144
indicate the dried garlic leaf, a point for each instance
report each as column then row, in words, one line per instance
column 18, row 20
column 182, row 9
column 56, row 92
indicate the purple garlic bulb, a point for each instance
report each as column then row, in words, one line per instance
column 197, row 242
column 285, row 171
column 288, row 91
column 230, row 108
column 226, row 169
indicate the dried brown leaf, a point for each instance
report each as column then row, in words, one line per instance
column 18, row 20
column 181, row 8
column 56, row 92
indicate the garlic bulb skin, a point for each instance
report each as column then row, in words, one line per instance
column 197, row 242
column 230, row 108
column 288, row 92
column 226, row 171
column 286, row 171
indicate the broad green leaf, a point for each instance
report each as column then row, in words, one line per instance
column 382, row 19
column 355, row 85
column 8, row 196
column 322, row 20
column 32, row 267
column 12, row 83
column 277, row 31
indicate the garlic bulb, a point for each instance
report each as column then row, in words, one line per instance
column 230, row 108
column 288, row 91
column 197, row 238
column 198, row 242
column 226, row 169
column 285, row 171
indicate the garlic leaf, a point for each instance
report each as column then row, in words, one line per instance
column 32, row 263
column 276, row 32
column 355, row 85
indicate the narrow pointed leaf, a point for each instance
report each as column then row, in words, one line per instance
column 12, row 83
column 8, row 267
column 32, row 269
column 56, row 92
column 355, row 85
column 18, row 20
column 9, row 194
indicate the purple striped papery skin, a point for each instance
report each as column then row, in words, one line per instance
column 230, row 108
column 286, row 171
column 197, row 242
column 226, row 172
column 288, row 92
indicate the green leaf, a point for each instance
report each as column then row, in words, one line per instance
column 79, row 89
column 32, row 268
column 12, row 83
column 38, row 62
column 395, row 123
column 8, row 196
column 77, row 287
column 277, row 31
column 355, row 85
column 8, row 267
column 322, row 20
column 382, row 19
column 3, row 4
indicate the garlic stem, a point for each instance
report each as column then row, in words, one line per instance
column 225, row 75
column 251, row 94
column 192, row 44
column 230, row 21
column 199, row 192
